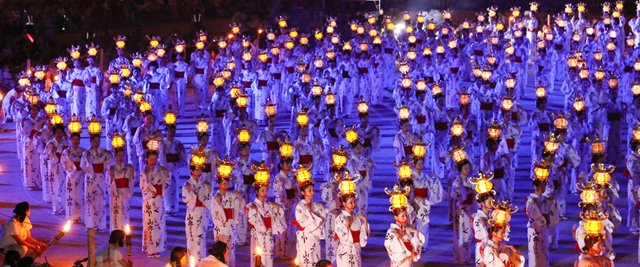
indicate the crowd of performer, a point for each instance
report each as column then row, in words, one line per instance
column 456, row 144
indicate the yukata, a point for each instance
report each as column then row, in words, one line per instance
column 399, row 248
column 53, row 154
column 361, row 166
column 265, row 220
column 153, row 183
column 179, row 72
column 197, row 196
column 74, row 191
column 31, row 176
column 94, row 162
column 93, row 91
column 633, row 188
column 537, row 232
column 79, row 79
column 120, row 187
column 427, row 192
column 174, row 158
column 350, row 240
column 226, row 214
column 285, row 189
column 497, row 255
column 311, row 224
column 462, row 194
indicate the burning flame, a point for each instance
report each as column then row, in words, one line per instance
column 67, row 226
column 127, row 229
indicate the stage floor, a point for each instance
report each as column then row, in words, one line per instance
column 439, row 253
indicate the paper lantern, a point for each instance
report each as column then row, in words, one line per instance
column 346, row 46
column 218, row 80
column 262, row 174
column 581, row 7
column 636, row 132
column 330, row 54
column 318, row 35
column 613, row 82
column 398, row 198
column 495, row 130
column 501, row 214
column 403, row 67
column 346, row 184
column 500, row 26
column 419, row 148
column 541, row 91
column 179, row 46
column 246, row 56
column 94, row 125
column 597, row 145
column 406, row 15
column 436, row 89
column 329, row 99
column 509, row 50
column 560, row 121
column 507, row 103
column 269, row 108
column 486, row 74
column 74, row 52
column 412, row 39
column 318, row 63
column 116, row 140
column 339, row 157
column 599, row 74
column 302, row 119
column 590, row 30
column 602, row 172
column 286, row 148
column 56, row 119
column 32, row 96
column 241, row 100
column 120, row 41
column 225, row 167
column 317, row 90
column 39, row 72
column 590, row 193
column 411, row 54
column 169, row 117
column 403, row 112
column 138, row 96
column 406, row 82
column 593, row 222
column 373, row 33
column 303, row 176
column 541, row 170
column 305, row 78
column 114, row 78
column 136, row 60
column 458, row 154
column 457, row 129
column 202, row 124
column 421, row 85
column 439, row 49
column 145, row 106
column 74, row 125
column 50, row 107
column 431, row 26
column 335, row 39
column 24, row 81
column 351, row 135
column 243, row 135
column 198, row 157
column 61, row 63
column 427, row 51
column 551, row 144
column 363, row 107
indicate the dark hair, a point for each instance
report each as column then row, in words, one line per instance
column 92, row 136
column 26, row 262
column 483, row 197
column 395, row 212
column 220, row 180
column 177, row 253
column 58, row 127
column 150, row 153
column 21, row 211
column 461, row 164
column 634, row 144
column 11, row 258
column 538, row 183
column 323, row 263
column 407, row 182
column 345, row 198
column 589, row 241
column 334, row 169
column 491, row 142
column 494, row 229
column 305, row 187
column 355, row 144
column 153, row 64
column 547, row 154
column 362, row 115
column 284, row 160
column 117, row 237
column 200, row 135
column 72, row 135
column 539, row 101
column 257, row 188
column 244, row 145
column 416, row 159
column 218, row 250
column 402, row 122
column 595, row 157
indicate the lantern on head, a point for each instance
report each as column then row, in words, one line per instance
column 578, row 103
column 346, row 184
column 403, row 112
column 202, row 126
column 117, row 141
column 92, row 50
column 286, row 147
column 179, row 45
column 339, row 157
column 74, row 52
column 145, row 106
column 506, row 103
column 330, row 99
column 457, row 128
column 225, row 167
column 169, row 117
column 560, row 121
column 590, row 193
column 243, row 135
column 602, row 173
column 120, row 41
column 262, row 174
column 351, row 135
column 303, row 176
column 241, row 99
column 436, row 90
column 198, row 157
column 495, row 130
column 403, row 67
column 597, row 145
column 154, row 41
column 56, row 119
column 458, row 154
column 398, row 198
column 302, row 119
column 613, row 81
column 61, row 63
column 483, row 184
column 269, row 108
column 317, row 90
column 593, row 225
column 501, row 214
column 50, row 108
column 541, row 92
column 94, row 125
column 533, row 6
column 419, row 148
column 541, row 170
column 551, row 144
column 74, row 125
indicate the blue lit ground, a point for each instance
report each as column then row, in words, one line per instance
column 73, row 245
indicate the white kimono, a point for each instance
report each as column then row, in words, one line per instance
column 197, row 196
column 537, row 232
column 153, row 183
column 481, row 233
column 633, row 188
column 350, row 240
column 225, row 215
column 285, row 189
column 92, row 100
column 174, row 158
column 179, row 80
column 31, row 172
column 74, row 193
column 311, row 223
column 94, row 163
column 497, row 255
column 53, row 155
column 427, row 192
column 79, row 78
column 401, row 248
column 462, row 196
column 360, row 166
column 120, row 187
column 265, row 219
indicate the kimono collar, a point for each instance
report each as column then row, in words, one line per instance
column 395, row 226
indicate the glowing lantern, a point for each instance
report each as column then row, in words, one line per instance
column 403, row 112
column 74, row 52
column 551, row 144
column 421, row 85
column 602, row 174
column 482, row 183
column 145, row 106
column 404, row 67
column 154, row 41
column 541, row 171
column 494, row 130
column 317, row 89
column 335, row 39
column 234, row 91
column 501, row 214
column 541, row 91
column 364, row 46
column 116, row 140
column 200, row 45
column 597, row 145
column 94, row 125
column 61, row 63
column 584, row 73
column 24, row 81
column 373, row 33
column 138, row 96
column 305, row 77
column 578, row 103
column 318, row 35
column 330, row 54
column 269, row 109
column 50, row 108
column 179, row 46
column 635, row 88
column 202, row 125
column 262, row 174
column 304, row 40
column 225, row 167
column 263, row 57
column 302, row 119
column 56, row 119
column 533, row 6
column 593, row 225
column 32, row 97
column 241, row 100
column 589, row 195
column 246, row 56
column 303, row 176
column 427, row 51
column 330, row 99
column 572, row 62
column 318, row 63
column 599, row 74
column 198, row 157
column 458, row 154
column 351, row 135
column 436, row 90
column 243, row 135
column 114, row 78
column 510, row 82
column 347, row 185
column 613, row 82
column 391, row 26
column 218, row 80
column 282, row 22
column 39, row 72
column 125, row 72
column 74, row 125
column 169, row 117
column 286, row 148
column 636, row 132
column 120, row 41
column 346, row 46
column 339, row 157
column 486, row 74
column 136, row 60
column 363, row 107
column 431, row 26
column 406, row 82
column 439, row 49
column 398, row 198
column 560, row 121
column 377, row 40
column 611, row 46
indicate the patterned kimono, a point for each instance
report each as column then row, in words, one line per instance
column 633, row 188
column 74, row 196
column 140, row 143
column 94, row 163
column 359, row 165
column 481, row 233
column 350, row 240
column 285, row 189
column 269, row 146
column 537, row 232
column 120, row 187
column 130, row 127
column 197, row 196
column 153, row 183
column 399, row 248
column 174, row 158
column 497, row 255
column 427, row 192
column 179, row 77
column 31, row 172
column 265, row 220
column 462, row 195
column 244, row 178
column 226, row 215
column 311, row 223
column 218, row 108
column 330, row 197
column 42, row 138
column 304, row 153
column 109, row 107
column 92, row 101
column 79, row 78
column 53, row 155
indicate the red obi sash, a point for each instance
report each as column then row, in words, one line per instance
column 173, row 157
column 273, row 145
column 306, row 159
column 421, row 192
column 614, row 116
column 628, row 69
column 77, row 82
column 408, row 150
column 421, row 119
column 199, row 203
column 154, row 85
column 62, row 94
column 332, row 132
column 267, row 223
column 363, row 70
column 220, row 113
column 289, row 69
column 98, row 168
column 277, row 76
column 558, row 46
column 133, row 130
column 248, row 179
column 207, row 167
column 514, row 115
column 179, row 74
column 345, row 74
column 518, row 59
column 478, row 53
column 122, row 183
column 33, row 133
column 544, row 127
column 388, row 50
column 441, row 126
column 262, row 82
column 454, row 70
column 469, row 134
column 77, row 163
column 468, row 200
column 158, row 188
column 228, row 213
column 112, row 111
column 367, row 142
column 59, row 155
column 486, row 105
column 291, row 193
column 376, row 64
column 363, row 173
column 407, row 244
column 199, row 70
column 355, row 235
column 511, row 143
column 246, row 84
column 498, row 173
column 295, row 222
column 94, row 80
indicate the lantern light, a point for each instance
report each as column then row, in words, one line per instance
column 578, row 103
column 398, row 198
column 329, row 99
column 241, row 99
column 436, row 90
column 495, row 130
column 351, row 135
column 302, row 119
column 501, row 214
column 541, row 170
column 169, row 117
column 597, row 145
column 560, row 121
column 286, row 147
column 419, row 148
column 74, row 52
column 269, row 108
column 303, row 176
column 262, row 174
column 50, row 108
column 61, row 63
column 56, row 119
column 120, row 41
column 483, row 184
column 403, row 112
column 202, row 125
column 593, row 225
column 541, row 91
column 243, row 135
column 457, row 128
column 225, row 167
column 117, row 141
column 74, row 125
column 551, row 144
column 602, row 172
column 590, row 193
column 154, row 41
column 94, row 125
column 346, row 184
column 198, row 157
column 339, row 157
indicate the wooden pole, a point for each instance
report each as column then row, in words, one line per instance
column 91, row 247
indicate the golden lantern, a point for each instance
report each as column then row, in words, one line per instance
column 346, row 184
column 403, row 112
column 431, row 26
column 335, row 39
column 169, row 117
column 339, row 157
column 480, row 17
column 541, row 170
column 427, row 51
column 483, row 184
column 286, row 148
column 412, row 39
column 495, row 130
column 630, row 42
column 560, row 121
column 243, row 135
column 198, row 157
column 486, row 74
column 24, row 81
column 584, row 73
column 599, row 74
column 138, row 96
column 590, row 193
column 533, row 6
column 94, row 125
column 436, row 89
column 202, row 125
column 225, row 167
column 39, row 72
column 452, row 44
column 551, row 144
column 269, row 108
column 404, row 170
column 271, row 35
column 120, row 41
column 581, row 7
column 246, row 56
column 275, row 50
column 457, row 128
column 477, row 72
column 305, row 77
column 116, row 140
column 56, row 119
column 136, row 60
column 303, row 176
column 330, row 29
column 61, row 63
column 330, row 54
column 346, row 46
column 620, row 5
column 636, row 132
column 124, row 71
column 597, row 145
column 509, row 50
column 231, row 64
column 235, row 28
column 154, row 41
column 317, row 90
column 439, row 49
column 458, row 154
column 611, row 46
column 613, row 81
column 353, row 25
column 114, row 78
column 318, row 63
column 616, row 14
column 351, row 135
column 479, row 29
column 593, row 222
column 371, row 19
column 51, row 107
column 500, row 26
column 373, row 33
column 421, row 85
column 363, row 107
column 540, row 44
column 578, row 103
column 74, row 52
column 318, row 35
column 218, row 80
column 590, row 30
column 330, row 99
column 465, row 25
column 420, row 18
column 572, row 62
column 262, row 174
column 74, row 125
column 302, row 119
column 360, row 30
column 179, row 46
column 404, row 67
column 541, row 91
column 145, row 106
column 506, row 103
column 160, row 50
column 241, row 99
column 32, row 96
column 602, row 172
column 398, row 198
column 406, row 82
column 501, row 214
column 126, row 91
column 510, row 82
column 200, row 45
column 263, row 57
column 406, row 15
column 364, row 46
column 597, row 55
